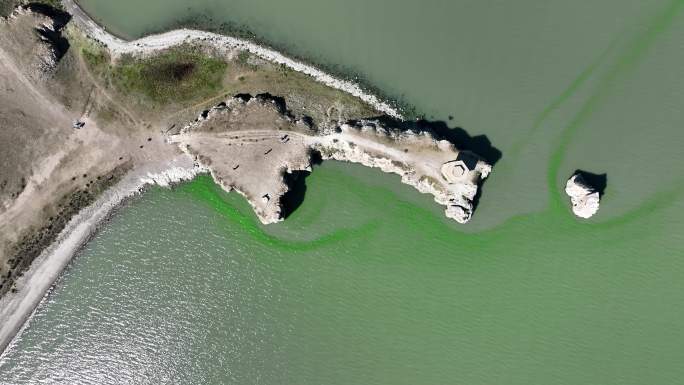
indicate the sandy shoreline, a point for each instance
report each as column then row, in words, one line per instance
column 17, row 308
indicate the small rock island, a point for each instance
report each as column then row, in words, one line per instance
column 584, row 197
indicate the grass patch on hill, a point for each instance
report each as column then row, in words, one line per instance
column 176, row 75
column 185, row 80
column 95, row 57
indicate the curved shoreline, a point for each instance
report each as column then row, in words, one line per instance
column 158, row 42
column 16, row 309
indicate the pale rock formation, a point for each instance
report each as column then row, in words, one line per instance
column 171, row 176
column 248, row 146
column 584, row 198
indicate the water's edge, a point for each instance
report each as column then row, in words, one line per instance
column 17, row 308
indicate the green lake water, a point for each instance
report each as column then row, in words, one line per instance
column 367, row 283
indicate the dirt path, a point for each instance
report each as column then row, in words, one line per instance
column 8, row 65
column 130, row 115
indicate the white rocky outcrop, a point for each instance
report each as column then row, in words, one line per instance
column 171, row 176
column 429, row 165
column 248, row 146
column 584, row 197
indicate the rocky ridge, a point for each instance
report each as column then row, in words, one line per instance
column 253, row 156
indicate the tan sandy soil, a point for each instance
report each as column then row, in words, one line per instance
column 45, row 160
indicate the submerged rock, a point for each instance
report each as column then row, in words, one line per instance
column 584, row 197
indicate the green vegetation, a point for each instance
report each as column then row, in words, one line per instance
column 192, row 79
column 176, row 75
column 95, row 57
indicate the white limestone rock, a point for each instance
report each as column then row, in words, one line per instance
column 170, row 176
column 248, row 146
column 584, row 198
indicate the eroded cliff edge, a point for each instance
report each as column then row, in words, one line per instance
column 248, row 144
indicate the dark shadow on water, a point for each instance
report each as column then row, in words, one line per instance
column 597, row 181
column 478, row 144
column 296, row 182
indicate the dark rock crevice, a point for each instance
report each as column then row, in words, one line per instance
column 296, row 183
column 478, row 144
column 54, row 37
column 598, row 182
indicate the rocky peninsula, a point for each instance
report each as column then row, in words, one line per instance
column 89, row 119
column 248, row 144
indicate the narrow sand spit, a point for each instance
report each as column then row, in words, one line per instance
column 227, row 44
